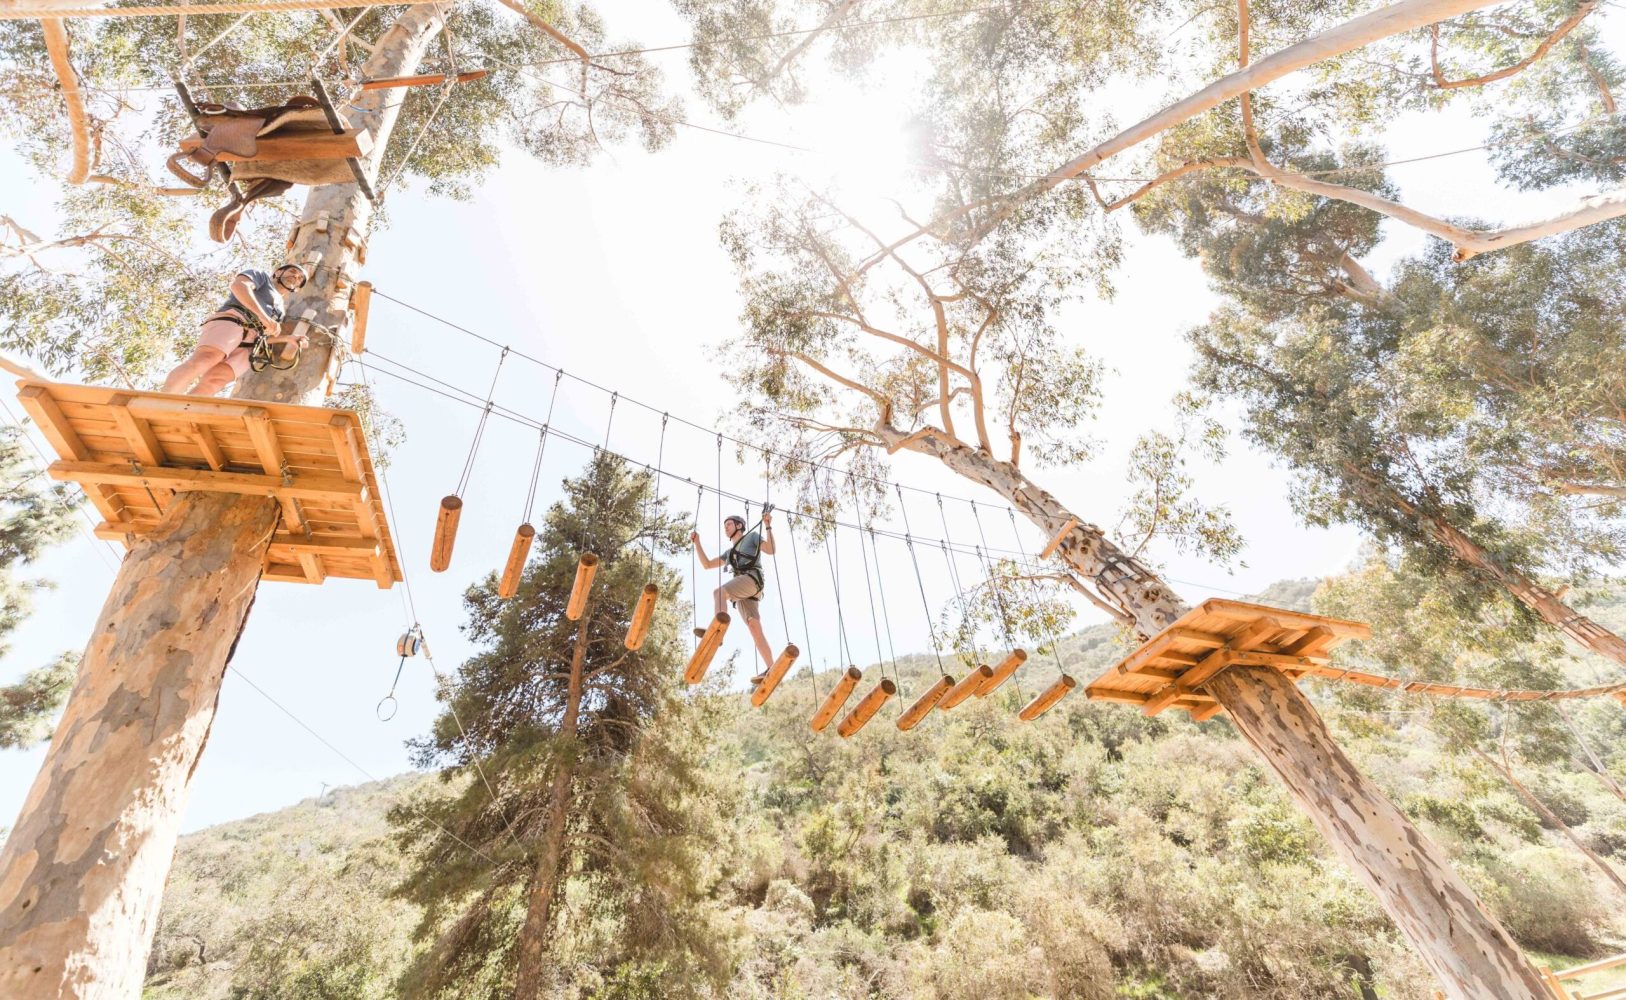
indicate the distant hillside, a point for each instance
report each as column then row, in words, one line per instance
column 1096, row 854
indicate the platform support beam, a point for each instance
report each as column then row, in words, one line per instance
column 83, row 871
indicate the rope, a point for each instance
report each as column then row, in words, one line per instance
column 925, row 605
column 845, row 647
column 541, row 446
column 719, row 500
column 694, row 572
column 801, row 598
column 480, row 430
column 767, row 502
column 869, row 588
column 988, row 568
column 610, row 422
column 660, row 454
column 183, row 10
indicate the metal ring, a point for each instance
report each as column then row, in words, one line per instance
column 378, row 710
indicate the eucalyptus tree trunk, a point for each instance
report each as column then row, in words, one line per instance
column 533, row 934
column 1465, row 947
column 83, row 872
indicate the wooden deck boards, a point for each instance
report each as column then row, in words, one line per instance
column 1170, row 669
column 132, row 451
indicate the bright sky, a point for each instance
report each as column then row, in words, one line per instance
column 614, row 273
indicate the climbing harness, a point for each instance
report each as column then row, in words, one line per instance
column 264, row 354
column 410, row 644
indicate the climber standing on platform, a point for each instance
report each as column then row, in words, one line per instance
column 745, row 589
column 246, row 320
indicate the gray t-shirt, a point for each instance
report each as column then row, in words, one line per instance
column 265, row 293
column 744, row 552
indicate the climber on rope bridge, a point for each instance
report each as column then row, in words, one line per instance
column 235, row 335
column 744, row 559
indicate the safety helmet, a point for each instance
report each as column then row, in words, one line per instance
column 734, row 517
column 304, row 269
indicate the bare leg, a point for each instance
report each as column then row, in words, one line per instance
column 214, row 380
column 721, row 598
column 755, row 625
column 194, row 367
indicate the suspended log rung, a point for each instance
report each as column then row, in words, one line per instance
column 422, row 80
column 776, row 673
column 968, row 686
column 514, row 568
column 586, row 569
column 446, row 518
column 1047, row 698
column 1003, row 672
column 642, row 615
column 836, row 698
column 925, row 703
column 695, row 672
column 866, row 709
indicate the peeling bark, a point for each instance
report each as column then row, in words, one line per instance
column 1466, row 948
column 82, row 874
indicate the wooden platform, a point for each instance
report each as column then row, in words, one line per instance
column 133, row 451
column 1170, row 669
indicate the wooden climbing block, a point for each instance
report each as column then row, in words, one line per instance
column 133, row 451
column 1170, row 669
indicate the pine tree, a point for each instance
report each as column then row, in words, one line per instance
column 575, row 763
column 35, row 514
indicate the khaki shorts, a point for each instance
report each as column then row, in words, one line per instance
column 227, row 338
column 746, row 595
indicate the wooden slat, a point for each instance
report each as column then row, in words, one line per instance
column 1195, row 636
column 311, row 563
column 1206, row 712
column 351, row 143
column 343, row 434
column 47, row 413
column 325, row 543
column 1212, row 664
column 266, row 445
column 137, row 432
column 210, row 448
column 311, row 487
column 1315, row 641
column 1245, row 611
column 361, row 300
column 1060, row 536
column 198, row 411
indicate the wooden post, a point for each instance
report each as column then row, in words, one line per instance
column 440, row 547
column 583, row 587
column 361, row 301
column 83, row 870
column 838, row 697
column 1003, row 672
column 776, row 673
column 866, row 709
column 701, row 660
column 1041, row 704
column 967, row 687
column 642, row 615
column 508, row 586
column 924, row 704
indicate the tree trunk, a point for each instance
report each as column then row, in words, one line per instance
column 1552, row 818
column 84, row 869
column 1466, row 948
column 1543, row 602
column 533, row 935
column 82, row 874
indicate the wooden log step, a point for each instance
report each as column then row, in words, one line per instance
column 967, row 687
column 776, row 673
column 508, row 585
column 586, row 568
column 642, row 615
column 866, row 709
column 361, row 302
column 837, row 697
column 440, row 548
column 422, row 80
column 1003, row 672
column 695, row 672
column 925, row 703
column 1042, row 704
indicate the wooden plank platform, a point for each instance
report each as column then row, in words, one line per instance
column 1170, row 669
column 133, row 451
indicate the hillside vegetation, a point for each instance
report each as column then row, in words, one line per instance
column 1093, row 854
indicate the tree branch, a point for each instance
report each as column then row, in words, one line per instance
column 1585, row 8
